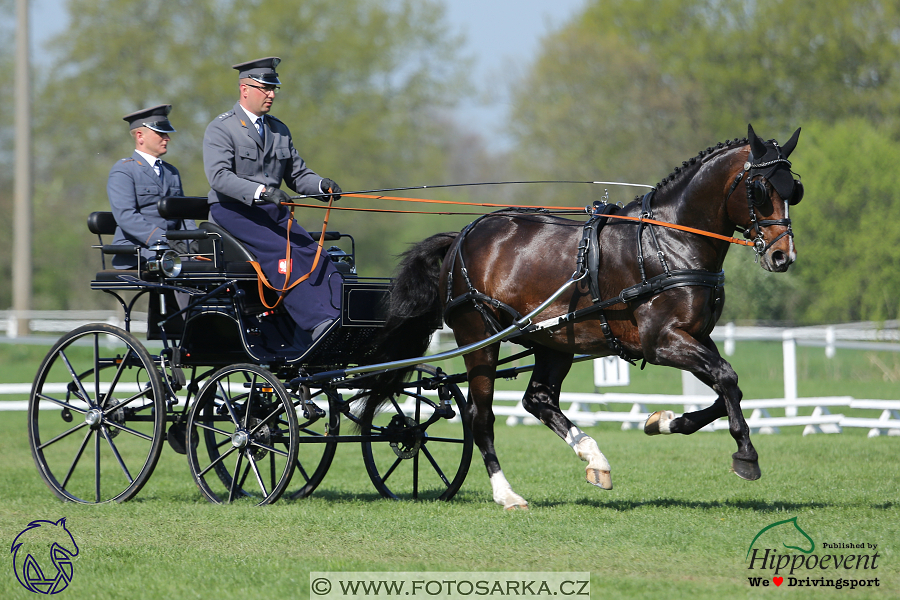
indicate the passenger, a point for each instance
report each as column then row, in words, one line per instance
column 247, row 153
column 136, row 183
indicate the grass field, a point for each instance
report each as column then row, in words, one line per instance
column 676, row 525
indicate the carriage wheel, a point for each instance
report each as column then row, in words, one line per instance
column 406, row 458
column 96, row 414
column 242, row 436
column 314, row 456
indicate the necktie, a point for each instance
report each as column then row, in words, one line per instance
column 260, row 130
column 159, row 169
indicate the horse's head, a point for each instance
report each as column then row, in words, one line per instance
column 764, row 208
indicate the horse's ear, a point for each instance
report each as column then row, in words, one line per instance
column 757, row 145
column 791, row 143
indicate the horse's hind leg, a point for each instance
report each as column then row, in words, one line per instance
column 542, row 400
column 479, row 416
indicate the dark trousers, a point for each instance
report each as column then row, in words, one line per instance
column 262, row 229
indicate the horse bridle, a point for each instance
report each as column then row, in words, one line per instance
column 758, row 193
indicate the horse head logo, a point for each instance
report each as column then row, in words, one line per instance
column 785, row 532
column 41, row 544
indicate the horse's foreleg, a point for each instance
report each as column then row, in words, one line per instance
column 542, row 400
column 479, row 416
column 704, row 361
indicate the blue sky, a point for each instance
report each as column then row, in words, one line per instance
column 502, row 37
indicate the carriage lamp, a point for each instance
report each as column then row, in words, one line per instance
column 338, row 255
column 168, row 263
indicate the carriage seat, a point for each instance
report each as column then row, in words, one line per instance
column 228, row 258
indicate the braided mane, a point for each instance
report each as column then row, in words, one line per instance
column 679, row 172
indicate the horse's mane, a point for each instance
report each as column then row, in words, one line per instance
column 690, row 166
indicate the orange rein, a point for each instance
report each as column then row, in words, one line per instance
column 261, row 278
column 710, row 234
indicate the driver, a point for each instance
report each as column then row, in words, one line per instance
column 247, row 153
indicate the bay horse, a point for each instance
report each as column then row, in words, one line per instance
column 660, row 294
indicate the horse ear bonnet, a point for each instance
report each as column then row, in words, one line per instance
column 780, row 177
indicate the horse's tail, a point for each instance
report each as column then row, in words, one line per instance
column 413, row 314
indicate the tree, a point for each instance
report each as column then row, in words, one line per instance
column 848, row 228
column 363, row 83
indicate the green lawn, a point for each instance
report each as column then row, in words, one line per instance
column 677, row 523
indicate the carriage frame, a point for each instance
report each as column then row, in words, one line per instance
column 230, row 383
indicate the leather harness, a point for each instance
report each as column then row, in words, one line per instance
column 588, row 265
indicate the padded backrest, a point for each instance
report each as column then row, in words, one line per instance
column 102, row 223
column 232, row 249
column 184, row 207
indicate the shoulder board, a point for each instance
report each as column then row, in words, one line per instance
column 125, row 160
column 230, row 113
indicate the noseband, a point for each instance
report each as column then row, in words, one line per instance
column 757, row 192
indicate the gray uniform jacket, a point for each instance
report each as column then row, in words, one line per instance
column 134, row 188
column 237, row 161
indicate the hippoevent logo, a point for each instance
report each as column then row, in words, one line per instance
column 42, row 556
column 784, row 554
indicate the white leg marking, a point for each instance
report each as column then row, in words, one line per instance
column 586, row 449
column 504, row 494
column 665, row 421
column 597, row 470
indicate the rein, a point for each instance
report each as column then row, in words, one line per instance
column 263, row 282
column 573, row 209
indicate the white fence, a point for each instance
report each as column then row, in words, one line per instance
column 57, row 322
column 586, row 409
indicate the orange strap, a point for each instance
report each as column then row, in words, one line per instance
column 263, row 281
column 718, row 236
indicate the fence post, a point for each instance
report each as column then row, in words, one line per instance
column 830, row 338
column 789, row 350
column 729, row 339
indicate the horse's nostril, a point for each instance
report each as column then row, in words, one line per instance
column 780, row 259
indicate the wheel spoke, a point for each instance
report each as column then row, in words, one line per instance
column 269, row 448
column 76, row 379
column 437, row 469
column 391, row 470
column 62, row 435
column 75, row 460
column 237, row 469
column 216, row 462
column 115, row 452
column 97, row 468
column 61, row 403
column 259, row 479
column 122, row 427
column 226, row 400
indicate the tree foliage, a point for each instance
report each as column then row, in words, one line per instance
column 363, row 81
column 848, row 238
column 629, row 89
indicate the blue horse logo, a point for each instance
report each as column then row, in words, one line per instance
column 34, row 544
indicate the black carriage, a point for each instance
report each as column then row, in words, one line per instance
column 228, row 382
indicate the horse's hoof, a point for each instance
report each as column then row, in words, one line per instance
column 746, row 469
column 599, row 478
column 658, row 422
